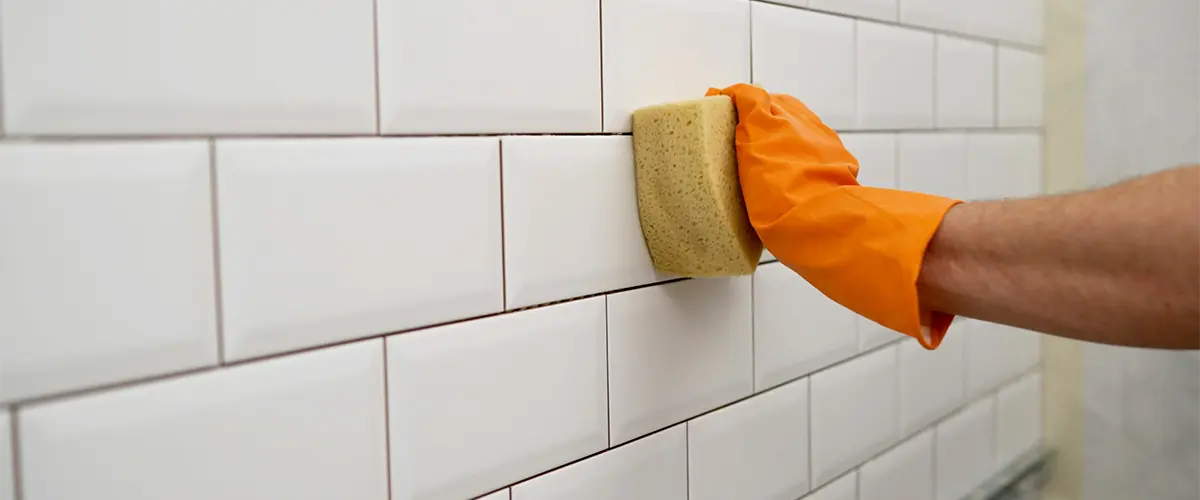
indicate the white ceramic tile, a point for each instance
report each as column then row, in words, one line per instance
column 854, row 412
column 328, row 240
column 844, row 488
column 766, row 257
column 934, row 163
column 797, row 329
column 757, row 448
column 202, row 67
column 931, row 382
column 948, row 15
column 106, row 264
column 675, row 351
column 876, row 155
column 479, row 66
column 789, row 43
column 996, row 353
column 309, row 426
column 659, row 51
column 652, row 467
column 1018, row 21
column 1028, row 25
column 1018, row 88
column 503, row 494
column 875, row 9
column 895, row 77
column 901, row 473
column 1019, row 418
column 478, row 405
column 964, row 454
column 7, row 487
column 966, row 80
column 570, row 219
column 1004, row 165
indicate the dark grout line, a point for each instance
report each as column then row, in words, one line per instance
column 387, row 422
column 607, row 378
column 15, row 443
column 687, row 459
column 600, row 19
column 218, row 288
column 375, row 50
column 84, row 391
column 72, row 139
column 808, row 408
column 81, row 138
column 503, row 241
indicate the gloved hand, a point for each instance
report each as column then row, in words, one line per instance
column 860, row 246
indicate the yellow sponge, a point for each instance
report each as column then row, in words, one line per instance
column 689, row 200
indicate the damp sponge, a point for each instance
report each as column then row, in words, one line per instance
column 689, row 201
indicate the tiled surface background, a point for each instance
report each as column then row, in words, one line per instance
column 225, row 274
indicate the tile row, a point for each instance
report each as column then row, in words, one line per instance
column 880, row 76
column 110, row 249
column 354, row 67
column 462, row 410
column 1019, row 21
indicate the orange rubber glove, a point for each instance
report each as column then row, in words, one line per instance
column 860, row 246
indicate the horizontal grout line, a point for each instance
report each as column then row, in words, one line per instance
column 36, row 138
column 1038, row 49
column 89, row 390
column 65, row 139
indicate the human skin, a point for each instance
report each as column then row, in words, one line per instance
column 1116, row 265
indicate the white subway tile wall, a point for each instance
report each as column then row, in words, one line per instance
column 844, row 488
column 327, row 240
column 675, row 351
column 654, row 466
column 895, row 77
column 570, row 219
column 218, row 265
column 1018, row 88
column 965, row 449
column 797, row 329
column 208, row 67
column 307, row 426
column 808, row 55
column 902, row 473
column 1018, row 417
column 755, row 449
column 106, row 264
column 479, row 66
column 966, row 83
column 479, row 405
column 854, row 412
column 926, row 393
column 933, row 162
column 657, row 51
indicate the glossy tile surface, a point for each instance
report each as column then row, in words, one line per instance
column 675, row 351
column 478, row 66
column 479, row 405
column 309, row 426
column 106, row 264
column 390, row 234
column 571, row 225
column 142, row 67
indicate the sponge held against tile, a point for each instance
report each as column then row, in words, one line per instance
column 690, row 204
column 720, row 178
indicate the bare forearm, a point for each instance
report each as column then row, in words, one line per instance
column 1118, row 265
